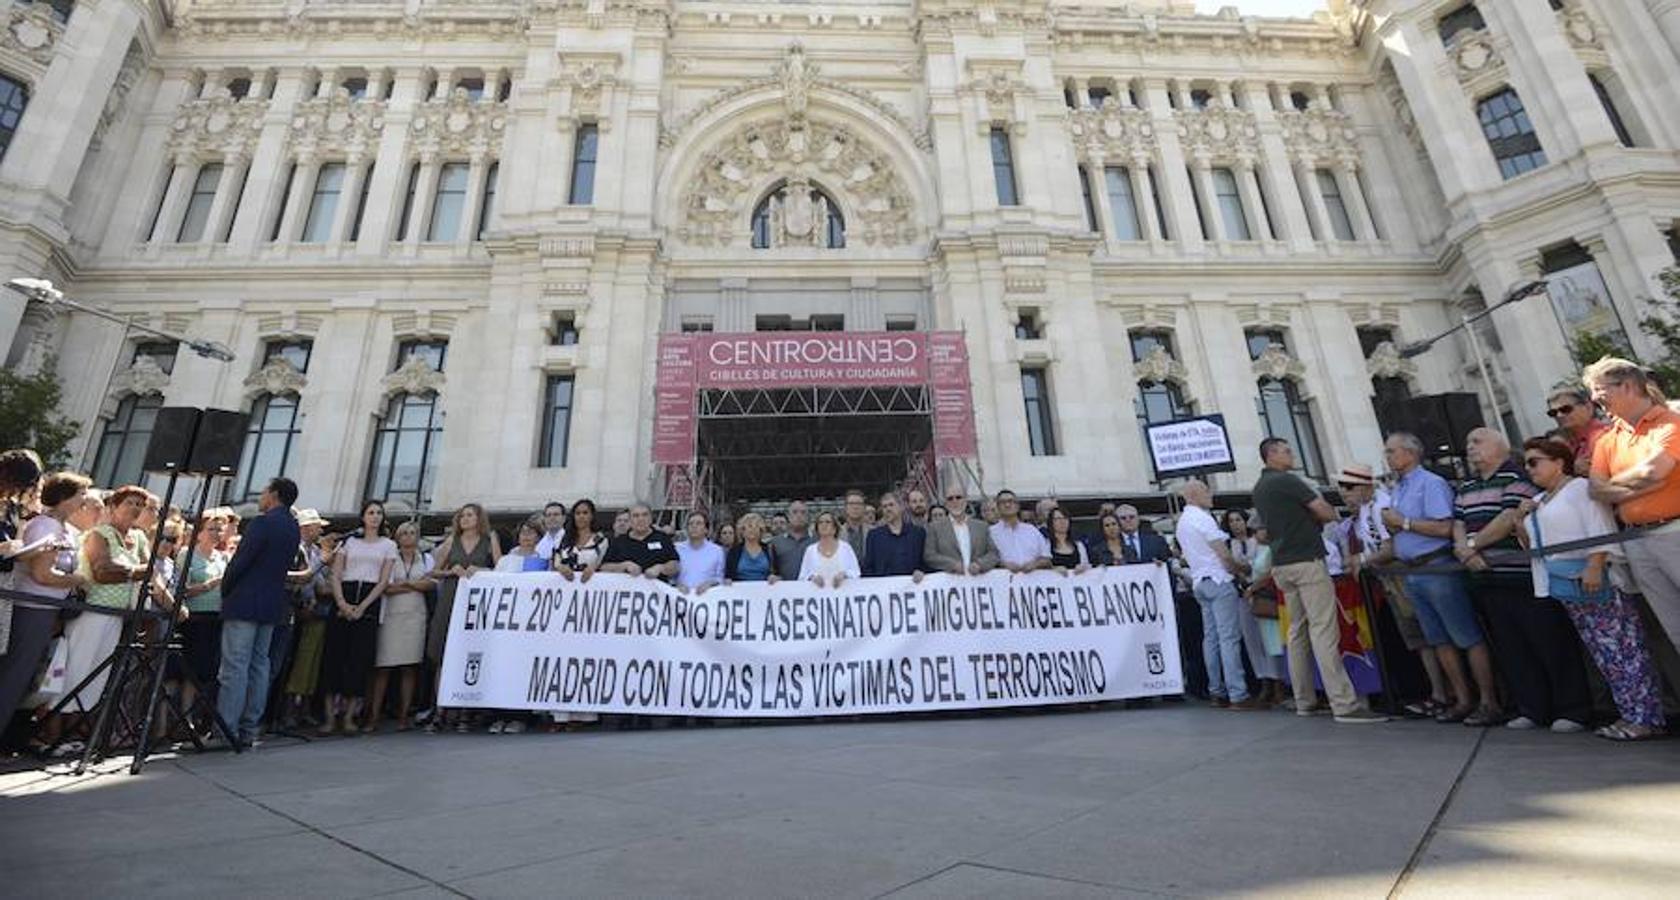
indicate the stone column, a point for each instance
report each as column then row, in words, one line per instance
column 298, row 199
column 865, row 307
column 1306, row 178
column 1143, row 198
column 425, row 192
column 1353, row 197
column 349, row 197
column 389, row 186
column 174, row 203
column 734, row 306
column 477, row 172
column 253, row 221
column 1097, row 177
column 1254, row 209
column 1445, row 118
column 1202, row 172
column 1172, row 177
column 1287, row 206
column 234, row 167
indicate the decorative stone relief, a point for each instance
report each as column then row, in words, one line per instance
column 277, row 376
column 449, row 19
column 1474, row 54
column 804, row 78
column 799, row 215
column 1158, row 365
column 1002, row 96
column 459, row 126
column 217, row 125
column 1385, row 361
column 717, row 203
column 590, row 81
column 132, row 67
column 1578, row 26
column 1275, row 362
column 30, row 30
column 1320, row 135
column 414, row 376
column 142, row 378
column 1218, row 133
column 337, row 125
column 1112, row 132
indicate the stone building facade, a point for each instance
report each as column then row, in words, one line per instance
column 442, row 237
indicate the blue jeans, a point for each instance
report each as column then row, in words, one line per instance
column 1222, row 639
column 244, row 675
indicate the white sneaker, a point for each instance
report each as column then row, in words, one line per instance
column 1567, row 726
column 496, row 727
column 517, row 726
column 1522, row 723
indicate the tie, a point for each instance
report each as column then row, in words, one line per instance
column 1132, row 541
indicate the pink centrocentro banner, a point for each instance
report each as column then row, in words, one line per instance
column 689, row 363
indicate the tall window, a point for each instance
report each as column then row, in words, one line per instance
column 1196, row 199
column 1160, row 212
column 408, row 201
column 450, row 203
column 1510, row 134
column 361, row 206
column 268, row 445
column 323, row 204
column 1157, row 401
column 433, row 352
column 198, row 205
column 14, row 96
column 1464, row 18
column 1285, row 414
column 1340, row 225
column 296, row 352
column 1090, row 202
column 584, row 150
column 1003, row 168
column 1122, row 206
column 285, row 197
column 122, row 446
column 557, row 422
column 488, row 207
column 563, row 329
column 1604, row 100
column 405, row 450
column 1230, row 206
column 1041, row 431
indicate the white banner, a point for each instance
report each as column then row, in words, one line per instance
column 633, row 645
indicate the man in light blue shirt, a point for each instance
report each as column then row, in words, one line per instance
column 701, row 560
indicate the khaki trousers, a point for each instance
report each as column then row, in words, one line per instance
column 1314, row 633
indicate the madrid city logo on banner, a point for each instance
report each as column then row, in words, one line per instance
column 619, row 644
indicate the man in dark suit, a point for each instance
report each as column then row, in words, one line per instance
column 947, row 552
column 1138, row 544
column 254, row 600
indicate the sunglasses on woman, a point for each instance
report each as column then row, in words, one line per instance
column 1561, row 410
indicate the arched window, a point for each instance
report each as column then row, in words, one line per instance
column 122, row 446
column 268, row 445
column 797, row 214
column 1284, row 414
column 405, row 450
column 14, row 96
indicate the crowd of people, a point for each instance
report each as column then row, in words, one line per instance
column 284, row 625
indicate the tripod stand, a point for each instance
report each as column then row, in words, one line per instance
column 137, row 661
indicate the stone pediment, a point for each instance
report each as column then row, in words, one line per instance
column 414, row 376
column 337, row 125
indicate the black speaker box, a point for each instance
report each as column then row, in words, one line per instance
column 188, row 440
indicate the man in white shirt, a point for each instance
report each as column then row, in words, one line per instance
column 554, row 524
column 1213, row 574
column 1020, row 547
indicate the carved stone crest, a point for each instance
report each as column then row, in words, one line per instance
column 1385, row 361
column 337, row 124
column 1320, row 135
column 277, row 376
column 143, row 378
column 1112, row 132
column 1218, row 132
column 1474, row 54
column 459, row 126
column 217, row 125
column 414, row 376
column 1275, row 362
column 1159, row 366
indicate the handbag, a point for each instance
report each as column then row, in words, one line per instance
column 1264, row 605
column 1564, row 575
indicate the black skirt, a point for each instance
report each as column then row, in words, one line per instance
column 350, row 648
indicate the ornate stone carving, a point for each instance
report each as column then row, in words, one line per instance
column 1275, row 362
column 217, row 125
column 277, row 376
column 1002, row 96
column 1473, row 53
column 1385, row 361
column 717, row 204
column 414, row 376
column 127, row 76
column 30, row 30
column 799, row 215
column 1112, row 132
column 337, row 125
column 399, row 22
column 142, row 378
column 1320, row 135
column 1578, row 26
column 459, row 126
column 1158, row 365
column 808, row 84
column 795, row 75
column 590, row 81
column 1218, row 133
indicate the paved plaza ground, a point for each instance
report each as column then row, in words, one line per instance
column 1164, row 801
